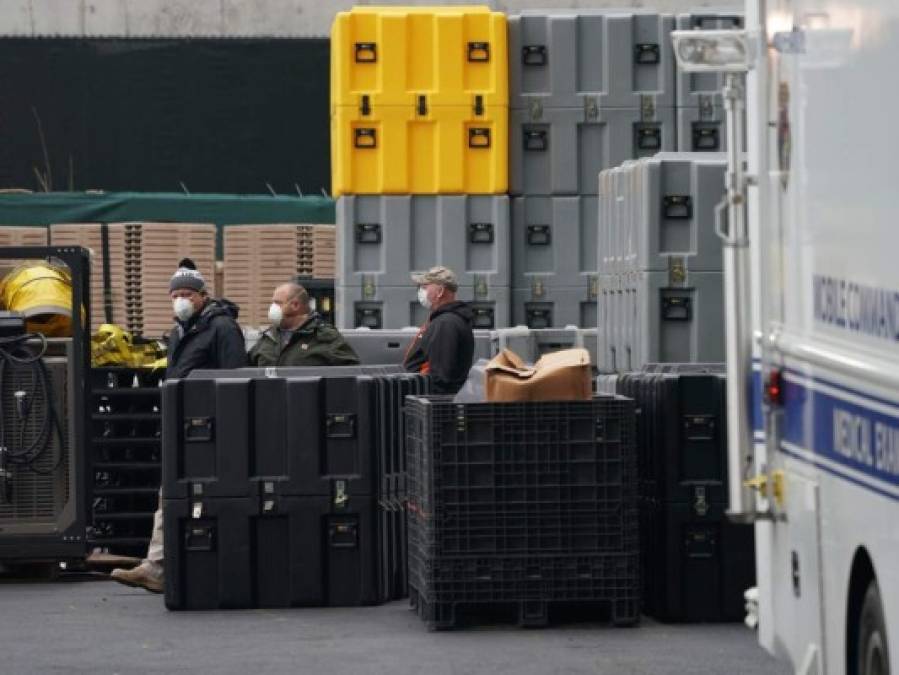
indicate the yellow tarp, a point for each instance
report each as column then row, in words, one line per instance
column 112, row 346
column 43, row 293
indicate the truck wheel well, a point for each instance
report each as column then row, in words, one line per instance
column 861, row 574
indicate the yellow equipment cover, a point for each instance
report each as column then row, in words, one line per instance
column 396, row 150
column 393, row 55
column 43, row 293
column 113, row 346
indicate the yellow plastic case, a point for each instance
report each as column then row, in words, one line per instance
column 396, row 150
column 395, row 55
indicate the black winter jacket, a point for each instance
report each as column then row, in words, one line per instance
column 443, row 348
column 209, row 340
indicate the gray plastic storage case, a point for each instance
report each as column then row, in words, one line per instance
column 580, row 57
column 385, row 238
column 560, row 151
column 554, row 239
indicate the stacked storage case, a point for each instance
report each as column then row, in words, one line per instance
column 660, row 261
column 696, row 565
column 384, row 238
column 272, row 484
column 419, row 132
column 526, row 506
column 589, row 90
column 419, row 101
column 700, row 107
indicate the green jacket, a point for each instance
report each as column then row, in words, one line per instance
column 315, row 343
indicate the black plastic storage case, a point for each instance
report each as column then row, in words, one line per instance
column 306, row 435
column 238, row 553
column 695, row 563
column 247, row 452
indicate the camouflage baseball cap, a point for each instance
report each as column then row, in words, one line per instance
column 437, row 275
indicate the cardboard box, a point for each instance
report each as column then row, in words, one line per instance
column 559, row 376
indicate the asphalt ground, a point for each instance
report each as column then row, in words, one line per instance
column 102, row 627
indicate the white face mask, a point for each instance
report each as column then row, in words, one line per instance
column 275, row 314
column 423, row 298
column 183, row 308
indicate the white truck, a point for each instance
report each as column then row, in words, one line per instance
column 812, row 320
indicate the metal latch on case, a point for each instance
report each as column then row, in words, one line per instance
column 700, row 504
column 340, row 496
column 268, row 497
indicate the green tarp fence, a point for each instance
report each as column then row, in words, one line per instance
column 48, row 208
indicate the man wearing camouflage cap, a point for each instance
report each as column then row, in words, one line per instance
column 444, row 346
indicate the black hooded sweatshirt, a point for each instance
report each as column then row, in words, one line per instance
column 210, row 339
column 443, row 348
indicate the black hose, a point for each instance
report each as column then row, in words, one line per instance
column 16, row 354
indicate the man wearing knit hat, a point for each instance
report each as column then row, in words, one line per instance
column 205, row 335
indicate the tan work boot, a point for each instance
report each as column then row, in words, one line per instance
column 142, row 576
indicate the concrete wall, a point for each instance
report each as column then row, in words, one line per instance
column 213, row 18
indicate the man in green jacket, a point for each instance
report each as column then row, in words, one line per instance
column 298, row 336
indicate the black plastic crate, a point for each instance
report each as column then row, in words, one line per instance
column 446, row 590
column 499, row 478
column 284, row 552
column 126, row 457
column 696, row 565
column 391, row 393
column 554, row 525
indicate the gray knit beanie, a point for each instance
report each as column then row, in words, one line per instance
column 187, row 276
